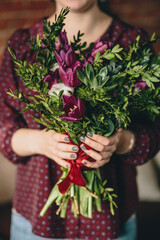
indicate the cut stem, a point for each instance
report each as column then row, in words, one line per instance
column 61, row 205
column 76, row 204
column 92, row 194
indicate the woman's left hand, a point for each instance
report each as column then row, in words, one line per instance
column 102, row 148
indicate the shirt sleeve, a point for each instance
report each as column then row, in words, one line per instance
column 147, row 133
column 10, row 119
column 147, row 143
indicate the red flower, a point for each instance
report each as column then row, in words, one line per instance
column 51, row 78
column 74, row 109
column 69, row 76
column 140, row 84
column 100, row 46
column 65, row 58
column 62, row 41
column 87, row 58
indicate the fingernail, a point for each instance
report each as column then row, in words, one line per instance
column 66, row 139
column 82, row 138
column 72, row 156
column 83, row 147
column 90, row 134
column 75, row 149
column 67, row 166
column 85, row 163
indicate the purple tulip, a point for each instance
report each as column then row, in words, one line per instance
column 100, row 46
column 69, row 75
column 87, row 58
column 74, row 109
column 65, row 58
column 62, row 41
column 51, row 78
column 140, row 84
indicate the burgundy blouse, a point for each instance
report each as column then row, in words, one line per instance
column 36, row 175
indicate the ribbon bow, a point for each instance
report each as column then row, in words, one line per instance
column 75, row 175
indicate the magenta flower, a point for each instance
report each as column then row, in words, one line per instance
column 140, row 84
column 51, row 78
column 62, row 41
column 87, row 58
column 69, row 75
column 100, row 46
column 65, row 58
column 74, row 109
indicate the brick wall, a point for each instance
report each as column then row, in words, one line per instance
column 16, row 14
column 23, row 13
column 142, row 13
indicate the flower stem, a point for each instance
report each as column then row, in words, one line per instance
column 61, row 205
column 76, row 204
column 92, row 194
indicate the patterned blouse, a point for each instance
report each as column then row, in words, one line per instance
column 36, row 175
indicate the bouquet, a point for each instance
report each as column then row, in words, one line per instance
column 78, row 90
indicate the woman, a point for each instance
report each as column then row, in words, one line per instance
column 39, row 154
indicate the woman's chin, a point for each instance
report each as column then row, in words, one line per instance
column 77, row 5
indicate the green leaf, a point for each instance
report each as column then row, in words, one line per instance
column 89, row 71
column 94, row 83
column 110, row 129
column 81, row 76
column 118, row 56
column 117, row 49
column 103, row 73
column 98, row 54
column 109, row 56
column 109, row 88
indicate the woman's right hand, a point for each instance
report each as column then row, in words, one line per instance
column 27, row 142
column 55, row 146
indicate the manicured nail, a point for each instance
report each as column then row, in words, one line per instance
column 75, row 149
column 83, row 147
column 66, row 139
column 85, row 163
column 72, row 156
column 82, row 138
column 67, row 166
column 90, row 134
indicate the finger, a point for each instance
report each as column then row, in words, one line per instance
column 98, row 138
column 60, row 137
column 106, row 155
column 104, row 140
column 93, row 154
column 92, row 143
column 112, row 148
column 61, row 162
column 66, row 147
column 64, row 155
column 108, row 148
column 95, row 164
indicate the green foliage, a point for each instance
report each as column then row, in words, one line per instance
column 77, row 44
column 110, row 55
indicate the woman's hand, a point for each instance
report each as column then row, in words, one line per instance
column 103, row 147
column 54, row 146
column 27, row 142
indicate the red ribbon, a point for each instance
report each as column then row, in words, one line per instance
column 75, row 175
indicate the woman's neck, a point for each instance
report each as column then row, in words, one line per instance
column 92, row 22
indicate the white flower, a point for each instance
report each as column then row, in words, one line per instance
column 59, row 87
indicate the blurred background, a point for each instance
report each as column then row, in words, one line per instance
column 16, row 14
